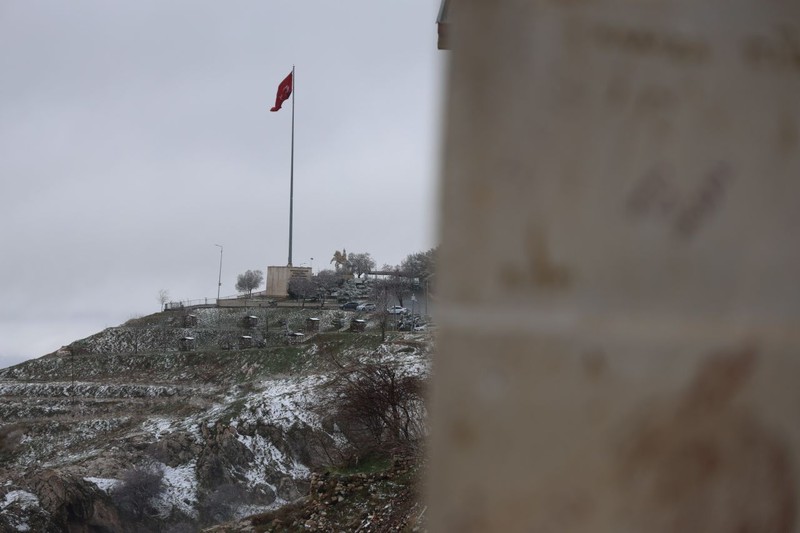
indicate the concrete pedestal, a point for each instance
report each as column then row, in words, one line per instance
column 278, row 279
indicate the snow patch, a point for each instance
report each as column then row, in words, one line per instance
column 285, row 402
column 103, row 483
column 157, row 426
column 249, row 510
column 268, row 458
column 22, row 500
column 180, row 489
column 26, row 500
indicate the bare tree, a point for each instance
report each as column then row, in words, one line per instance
column 222, row 503
column 381, row 297
column 325, row 281
column 249, row 281
column 301, row 287
column 361, row 263
column 420, row 265
column 163, row 297
column 398, row 285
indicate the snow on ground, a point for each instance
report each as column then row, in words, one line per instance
column 23, row 501
column 285, row 402
column 244, row 511
column 66, row 436
column 157, row 426
column 180, row 489
column 93, row 390
column 62, row 460
column 103, row 483
column 268, row 458
column 194, row 430
column 413, row 360
column 160, row 426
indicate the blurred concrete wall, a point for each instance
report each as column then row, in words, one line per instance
column 620, row 268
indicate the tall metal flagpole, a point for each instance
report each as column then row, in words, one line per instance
column 291, row 173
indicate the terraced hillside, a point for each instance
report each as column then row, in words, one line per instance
column 175, row 421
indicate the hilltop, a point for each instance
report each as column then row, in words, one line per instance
column 183, row 419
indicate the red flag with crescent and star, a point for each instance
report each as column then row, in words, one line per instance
column 284, row 92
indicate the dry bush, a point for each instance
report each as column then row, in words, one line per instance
column 379, row 409
column 221, row 504
column 10, row 438
column 135, row 494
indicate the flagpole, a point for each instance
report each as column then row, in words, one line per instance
column 291, row 173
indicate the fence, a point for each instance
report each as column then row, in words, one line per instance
column 239, row 300
column 170, row 306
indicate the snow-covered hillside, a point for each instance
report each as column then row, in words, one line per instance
column 227, row 431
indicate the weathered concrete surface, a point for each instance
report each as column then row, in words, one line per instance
column 278, row 279
column 620, row 272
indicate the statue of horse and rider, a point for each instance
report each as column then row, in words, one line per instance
column 341, row 263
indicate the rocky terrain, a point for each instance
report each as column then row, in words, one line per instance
column 384, row 498
column 185, row 419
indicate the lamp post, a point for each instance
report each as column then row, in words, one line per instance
column 426, row 297
column 219, row 281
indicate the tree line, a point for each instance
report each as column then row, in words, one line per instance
column 415, row 269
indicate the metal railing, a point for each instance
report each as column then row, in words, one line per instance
column 169, row 306
column 211, row 302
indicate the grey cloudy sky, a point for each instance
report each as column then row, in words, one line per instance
column 136, row 135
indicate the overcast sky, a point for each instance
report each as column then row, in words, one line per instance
column 136, row 135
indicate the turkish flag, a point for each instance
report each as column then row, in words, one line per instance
column 284, row 92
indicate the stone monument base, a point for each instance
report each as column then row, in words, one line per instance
column 278, row 279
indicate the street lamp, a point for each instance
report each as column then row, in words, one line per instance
column 219, row 282
column 426, row 297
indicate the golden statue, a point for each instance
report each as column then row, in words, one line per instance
column 340, row 260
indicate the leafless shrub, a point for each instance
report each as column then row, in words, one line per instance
column 379, row 409
column 10, row 437
column 338, row 320
column 163, row 298
column 135, row 495
column 221, row 504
